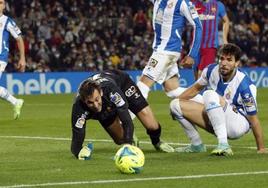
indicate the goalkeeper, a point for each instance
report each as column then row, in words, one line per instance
column 107, row 97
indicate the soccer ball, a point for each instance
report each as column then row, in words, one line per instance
column 129, row 159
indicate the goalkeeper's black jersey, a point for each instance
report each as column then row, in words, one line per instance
column 120, row 93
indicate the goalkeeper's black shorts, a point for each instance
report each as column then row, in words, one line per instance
column 136, row 101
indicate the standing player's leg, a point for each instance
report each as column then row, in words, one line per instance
column 153, row 129
column 207, row 57
column 4, row 94
column 172, row 86
column 155, row 71
column 139, row 106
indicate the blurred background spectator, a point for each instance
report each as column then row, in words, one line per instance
column 90, row 35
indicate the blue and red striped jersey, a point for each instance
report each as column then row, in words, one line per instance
column 210, row 13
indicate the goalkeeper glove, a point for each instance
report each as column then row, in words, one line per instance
column 86, row 152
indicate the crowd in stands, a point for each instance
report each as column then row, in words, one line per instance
column 249, row 29
column 90, row 35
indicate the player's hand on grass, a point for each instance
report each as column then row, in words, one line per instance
column 86, row 152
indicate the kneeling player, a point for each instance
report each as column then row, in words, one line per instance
column 107, row 97
column 229, row 109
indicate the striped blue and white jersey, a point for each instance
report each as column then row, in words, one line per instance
column 7, row 27
column 169, row 20
column 239, row 92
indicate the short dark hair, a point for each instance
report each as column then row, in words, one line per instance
column 87, row 87
column 231, row 49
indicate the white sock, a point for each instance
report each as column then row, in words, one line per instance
column 216, row 115
column 191, row 132
column 4, row 94
column 144, row 89
column 176, row 92
column 188, row 127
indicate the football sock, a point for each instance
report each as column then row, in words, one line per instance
column 154, row 135
column 191, row 132
column 144, row 89
column 7, row 96
column 216, row 115
column 176, row 92
column 188, row 127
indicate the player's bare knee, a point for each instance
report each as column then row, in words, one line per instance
column 145, row 112
column 147, row 119
column 175, row 109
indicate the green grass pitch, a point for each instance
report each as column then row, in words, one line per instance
column 35, row 151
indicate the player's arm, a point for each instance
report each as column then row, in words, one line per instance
column 78, row 129
column 198, row 86
column 226, row 22
column 127, row 124
column 16, row 33
column 225, row 28
column 22, row 61
column 117, row 97
column 257, row 131
column 248, row 95
column 188, row 10
column 191, row 91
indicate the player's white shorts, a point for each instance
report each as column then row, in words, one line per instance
column 2, row 67
column 161, row 67
column 236, row 124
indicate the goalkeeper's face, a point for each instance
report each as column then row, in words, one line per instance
column 94, row 101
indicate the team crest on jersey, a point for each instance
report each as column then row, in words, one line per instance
column 228, row 95
column 117, row 99
column 152, row 62
column 213, row 10
column 170, row 5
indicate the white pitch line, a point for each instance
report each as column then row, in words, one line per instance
column 106, row 140
column 136, row 179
